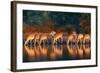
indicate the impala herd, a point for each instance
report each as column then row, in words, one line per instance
column 57, row 38
column 55, row 46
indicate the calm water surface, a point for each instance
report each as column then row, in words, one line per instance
column 56, row 53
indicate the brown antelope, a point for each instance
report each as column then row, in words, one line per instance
column 87, row 37
column 43, row 38
column 56, row 37
column 37, row 37
column 72, row 38
column 80, row 38
column 30, row 37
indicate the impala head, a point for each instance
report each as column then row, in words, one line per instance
column 80, row 36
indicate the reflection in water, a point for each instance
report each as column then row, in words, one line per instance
column 56, row 52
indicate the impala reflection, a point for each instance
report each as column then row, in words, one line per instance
column 54, row 52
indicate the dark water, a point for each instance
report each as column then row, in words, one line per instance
column 56, row 53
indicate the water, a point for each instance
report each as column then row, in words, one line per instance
column 56, row 53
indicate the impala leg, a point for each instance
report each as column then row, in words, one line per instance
column 34, row 42
column 67, row 42
column 39, row 42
